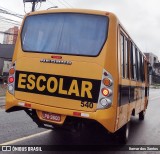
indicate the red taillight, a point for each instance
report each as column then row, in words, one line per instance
column 11, row 79
column 105, row 92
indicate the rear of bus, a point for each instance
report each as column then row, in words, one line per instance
column 65, row 66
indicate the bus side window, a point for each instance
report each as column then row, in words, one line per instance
column 145, row 71
column 138, row 64
column 122, row 56
column 141, row 67
column 133, row 62
column 126, row 57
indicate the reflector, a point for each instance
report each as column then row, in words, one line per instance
column 76, row 113
column 107, row 82
column 27, row 105
column 11, row 71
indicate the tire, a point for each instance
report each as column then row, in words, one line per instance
column 124, row 134
column 141, row 115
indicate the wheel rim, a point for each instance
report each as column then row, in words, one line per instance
column 127, row 132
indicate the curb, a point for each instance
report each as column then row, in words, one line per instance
column 2, row 101
column 2, row 98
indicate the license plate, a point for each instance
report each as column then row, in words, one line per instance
column 51, row 116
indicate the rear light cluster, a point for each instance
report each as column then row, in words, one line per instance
column 11, row 79
column 106, row 95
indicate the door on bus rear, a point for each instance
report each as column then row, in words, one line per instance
column 56, row 65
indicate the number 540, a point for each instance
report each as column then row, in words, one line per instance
column 87, row 104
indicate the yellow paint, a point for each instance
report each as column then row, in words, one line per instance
column 82, row 67
column 74, row 88
column 39, row 79
column 61, row 90
column 31, row 84
column 86, row 89
column 49, row 82
column 22, row 80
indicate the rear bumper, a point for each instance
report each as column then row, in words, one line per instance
column 106, row 117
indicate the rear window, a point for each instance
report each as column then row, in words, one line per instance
column 65, row 33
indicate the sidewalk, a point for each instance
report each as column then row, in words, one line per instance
column 3, row 89
column 2, row 101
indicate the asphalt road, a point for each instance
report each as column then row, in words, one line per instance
column 18, row 129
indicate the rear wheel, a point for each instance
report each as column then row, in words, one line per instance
column 124, row 133
column 141, row 115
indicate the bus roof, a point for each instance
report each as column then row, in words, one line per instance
column 87, row 11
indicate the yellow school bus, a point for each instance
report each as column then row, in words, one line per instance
column 71, row 65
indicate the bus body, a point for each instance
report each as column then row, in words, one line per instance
column 77, row 63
